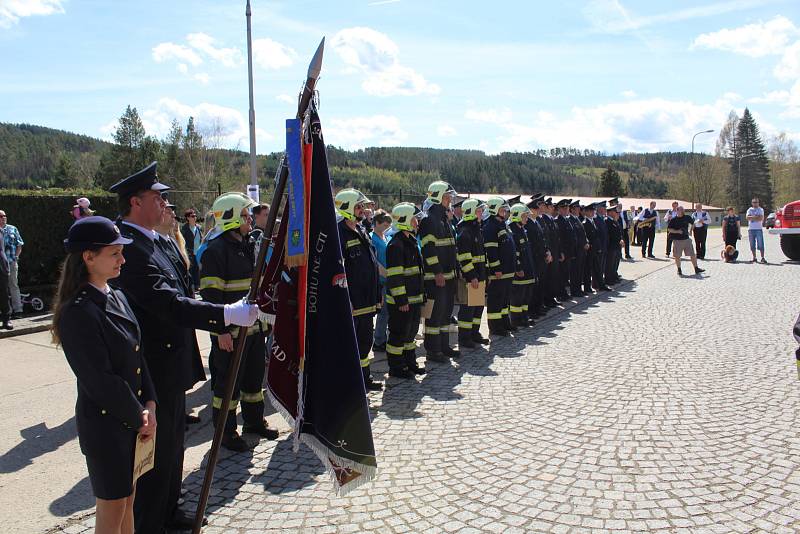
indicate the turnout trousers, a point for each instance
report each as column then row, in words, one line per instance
column 519, row 300
column 157, row 492
column 400, row 346
column 497, row 303
column 364, row 337
column 469, row 322
column 437, row 328
column 248, row 389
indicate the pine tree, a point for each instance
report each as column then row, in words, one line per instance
column 749, row 176
column 611, row 184
column 132, row 150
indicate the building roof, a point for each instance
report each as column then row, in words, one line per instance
column 625, row 202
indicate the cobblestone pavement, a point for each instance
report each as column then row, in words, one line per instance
column 670, row 405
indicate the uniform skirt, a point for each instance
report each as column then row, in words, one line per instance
column 111, row 474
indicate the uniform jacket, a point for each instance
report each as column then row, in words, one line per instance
column 167, row 315
column 226, row 272
column 404, row 271
column 602, row 231
column 592, row 236
column 580, row 233
column 551, row 233
column 523, row 252
column 566, row 235
column 471, row 252
column 614, row 233
column 438, row 244
column 102, row 342
column 171, row 248
column 538, row 242
column 500, row 253
column 361, row 267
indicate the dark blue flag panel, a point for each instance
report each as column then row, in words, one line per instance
column 335, row 421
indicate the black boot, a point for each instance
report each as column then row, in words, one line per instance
column 369, row 383
column 478, row 338
column 7, row 324
column 234, row 442
column 410, row 357
column 451, row 352
column 262, row 430
column 465, row 343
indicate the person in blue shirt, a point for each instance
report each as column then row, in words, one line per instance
column 381, row 221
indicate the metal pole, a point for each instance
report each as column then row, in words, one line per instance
column 252, row 189
column 692, row 161
column 255, row 283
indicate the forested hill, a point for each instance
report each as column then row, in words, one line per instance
column 39, row 157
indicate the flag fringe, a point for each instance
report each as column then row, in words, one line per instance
column 368, row 472
column 300, row 407
column 273, row 400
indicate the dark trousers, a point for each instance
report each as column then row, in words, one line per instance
column 549, row 284
column 648, row 237
column 536, row 297
column 669, row 243
column 497, row 303
column 437, row 328
column 5, row 297
column 700, row 235
column 248, row 389
column 157, row 492
column 194, row 272
column 563, row 270
column 519, row 301
column 400, row 345
column 469, row 322
column 612, row 263
column 576, row 271
column 598, row 269
column 626, row 237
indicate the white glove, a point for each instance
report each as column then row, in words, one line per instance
column 241, row 313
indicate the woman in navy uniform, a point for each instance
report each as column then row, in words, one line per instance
column 100, row 336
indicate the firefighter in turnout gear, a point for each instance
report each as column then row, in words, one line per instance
column 439, row 254
column 501, row 265
column 361, row 267
column 405, row 292
column 225, row 276
column 472, row 258
column 525, row 277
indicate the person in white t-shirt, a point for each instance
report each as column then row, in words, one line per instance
column 755, row 232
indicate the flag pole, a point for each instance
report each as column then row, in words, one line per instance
column 314, row 69
column 252, row 189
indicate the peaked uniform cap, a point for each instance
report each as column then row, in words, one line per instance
column 143, row 180
column 91, row 233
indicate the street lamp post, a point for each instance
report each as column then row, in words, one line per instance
column 739, row 178
column 692, row 162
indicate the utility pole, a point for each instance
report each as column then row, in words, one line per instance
column 692, row 166
column 252, row 189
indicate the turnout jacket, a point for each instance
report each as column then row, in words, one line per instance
column 499, row 247
column 438, row 244
column 102, row 342
column 566, row 236
column 404, row 272
column 471, row 252
column 523, row 253
column 167, row 316
column 361, row 268
column 226, row 272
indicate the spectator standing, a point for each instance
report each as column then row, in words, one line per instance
column 678, row 228
column 193, row 237
column 81, row 209
column 701, row 221
column 626, row 221
column 755, row 232
column 5, row 300
column 731, row 228
column 671, row 214
column 12, row 242
column 381, row 222
column 648, row 222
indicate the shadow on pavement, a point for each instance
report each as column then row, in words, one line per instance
column 38, row 440
column 288, row 472
column 77, row 499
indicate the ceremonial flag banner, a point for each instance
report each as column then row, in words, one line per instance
column 298, row 188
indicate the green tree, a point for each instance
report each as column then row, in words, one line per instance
column 65, row 171
column 611, row 184
column 749, row 176
column 132, row 150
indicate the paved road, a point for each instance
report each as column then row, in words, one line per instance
column 670, row 404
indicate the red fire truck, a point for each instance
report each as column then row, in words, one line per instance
column 787, row 225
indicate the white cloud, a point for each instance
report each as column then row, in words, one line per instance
column 170, row 51
column 359, row 132
column 753, row 40
column 221, row 125
column 789, row 66
column 629, row 93
column 644, row 125
column 269, row 54
column 202, row 77
column 286, row 98
column 183, row 68
column 230, row 57
column 446, row 130
column 491, row 116
column 375, row 55
column 13, row 10
column 790, row 99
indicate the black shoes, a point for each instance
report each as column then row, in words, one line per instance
column 372, row 385
column 480, row 339
column 192, row 419
column 502, row 333
column 264, row 431
column 451, row 352
column 680, row 273
column 233, row 442
column 379, row 348
column 466, row 344
column 401, row 373
column 182, row 521
column 698, row 270
column 438, row 357
column 7, row 325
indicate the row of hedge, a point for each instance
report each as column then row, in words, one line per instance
column 43, row 219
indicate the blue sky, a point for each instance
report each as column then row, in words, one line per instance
column 613, row 75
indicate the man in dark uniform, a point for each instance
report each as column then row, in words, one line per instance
column 167, row 319
column 541, row 256
column 566, row 235
column 615, row 244
column 501, row 266
column 225, row 276
column 602, row 231
column 581, row 248
column 472, row 257
column 525, row 277
column 441, row 269
column 648, row 219
column 550, row 289
column 361, row 267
